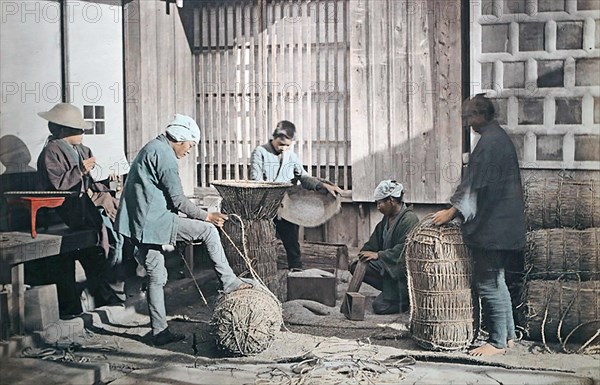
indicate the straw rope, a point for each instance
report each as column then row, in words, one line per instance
column 245, row 321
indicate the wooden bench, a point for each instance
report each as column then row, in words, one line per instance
column 18, row 247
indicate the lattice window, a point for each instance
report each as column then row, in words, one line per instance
column 540, row 60
column 95, row 114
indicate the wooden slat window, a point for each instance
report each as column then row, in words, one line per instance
column 259, row 62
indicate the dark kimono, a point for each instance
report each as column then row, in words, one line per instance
column 490, row 195
column 388, row 242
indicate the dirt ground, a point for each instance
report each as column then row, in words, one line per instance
column 121, row 337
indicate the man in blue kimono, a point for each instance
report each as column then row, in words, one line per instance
column 148, row 215
column 490, row 200
column 275, row 162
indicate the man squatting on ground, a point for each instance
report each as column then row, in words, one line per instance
column 490, row 200
column 276, row 162
column 148, row 214
column 386, row 269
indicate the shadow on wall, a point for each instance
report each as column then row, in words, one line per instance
column 415, row 163
column 14, row 155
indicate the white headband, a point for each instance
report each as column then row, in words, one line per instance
column 388, row 188
column 183, row 129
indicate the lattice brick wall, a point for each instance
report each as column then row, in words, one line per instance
column 540, row 60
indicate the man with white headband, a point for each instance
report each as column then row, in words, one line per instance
column 148, row 214
column 386, row 269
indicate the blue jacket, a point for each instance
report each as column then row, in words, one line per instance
column 153, row 196
column 266, row 165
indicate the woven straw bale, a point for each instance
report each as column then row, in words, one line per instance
column 246, row 321
column 573, row 254
column 439, row 280
column 561, row 202
column 562, row 307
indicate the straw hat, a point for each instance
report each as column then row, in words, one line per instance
column 67, row 115
column 308, row 208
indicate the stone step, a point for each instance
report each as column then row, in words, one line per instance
column 27, row 371
column 14, row 346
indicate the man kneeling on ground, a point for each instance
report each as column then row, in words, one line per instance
column 148, row 214
column 386, row 269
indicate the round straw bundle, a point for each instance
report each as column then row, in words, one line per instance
column 246, row 321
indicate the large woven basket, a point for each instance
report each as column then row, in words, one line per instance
column 259, row 243
column 439, row 280
column 567, row 253
column 558, row 310
column 562, row 202
column 249, row 199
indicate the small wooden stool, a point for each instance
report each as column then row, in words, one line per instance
column 35, row 200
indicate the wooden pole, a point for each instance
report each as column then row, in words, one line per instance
column 355, row 282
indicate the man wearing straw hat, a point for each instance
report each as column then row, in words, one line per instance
column 275, row 162
column 386, row 269
column 65, row 165
column 148, row 215
column 490, row 200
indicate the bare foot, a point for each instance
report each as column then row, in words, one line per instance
column 486, row 350
column 510, row 344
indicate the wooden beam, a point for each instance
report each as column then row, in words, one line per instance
column 355, row 282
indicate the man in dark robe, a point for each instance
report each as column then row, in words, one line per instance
column 65, row 165
column 490, row 200
column 386, row 269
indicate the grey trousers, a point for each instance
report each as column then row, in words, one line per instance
column 495, row 298
column 153, row 259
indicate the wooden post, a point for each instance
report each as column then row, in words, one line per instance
column 17, row 303
column 355, row 282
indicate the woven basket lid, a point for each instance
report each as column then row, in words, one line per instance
column 308, row 208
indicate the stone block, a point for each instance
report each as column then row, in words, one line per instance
column 587, row 72
column 41, row 307
column 487, row 76
column 315, row 288
column 549, row 147
column 519, row 142
column 487, row 8
column 588, row 5
column 531, row 111
column 355, row 303
column 568, row 111
column 551, row 73
column 551, row 5
column 516, row 6
column 596, row 109
column 501, row 106
column 531, row 36
column 494, row 38
column 514, row 75
column 587, row 148
column 569, row 35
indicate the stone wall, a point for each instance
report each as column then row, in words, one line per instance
column 540, row 61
